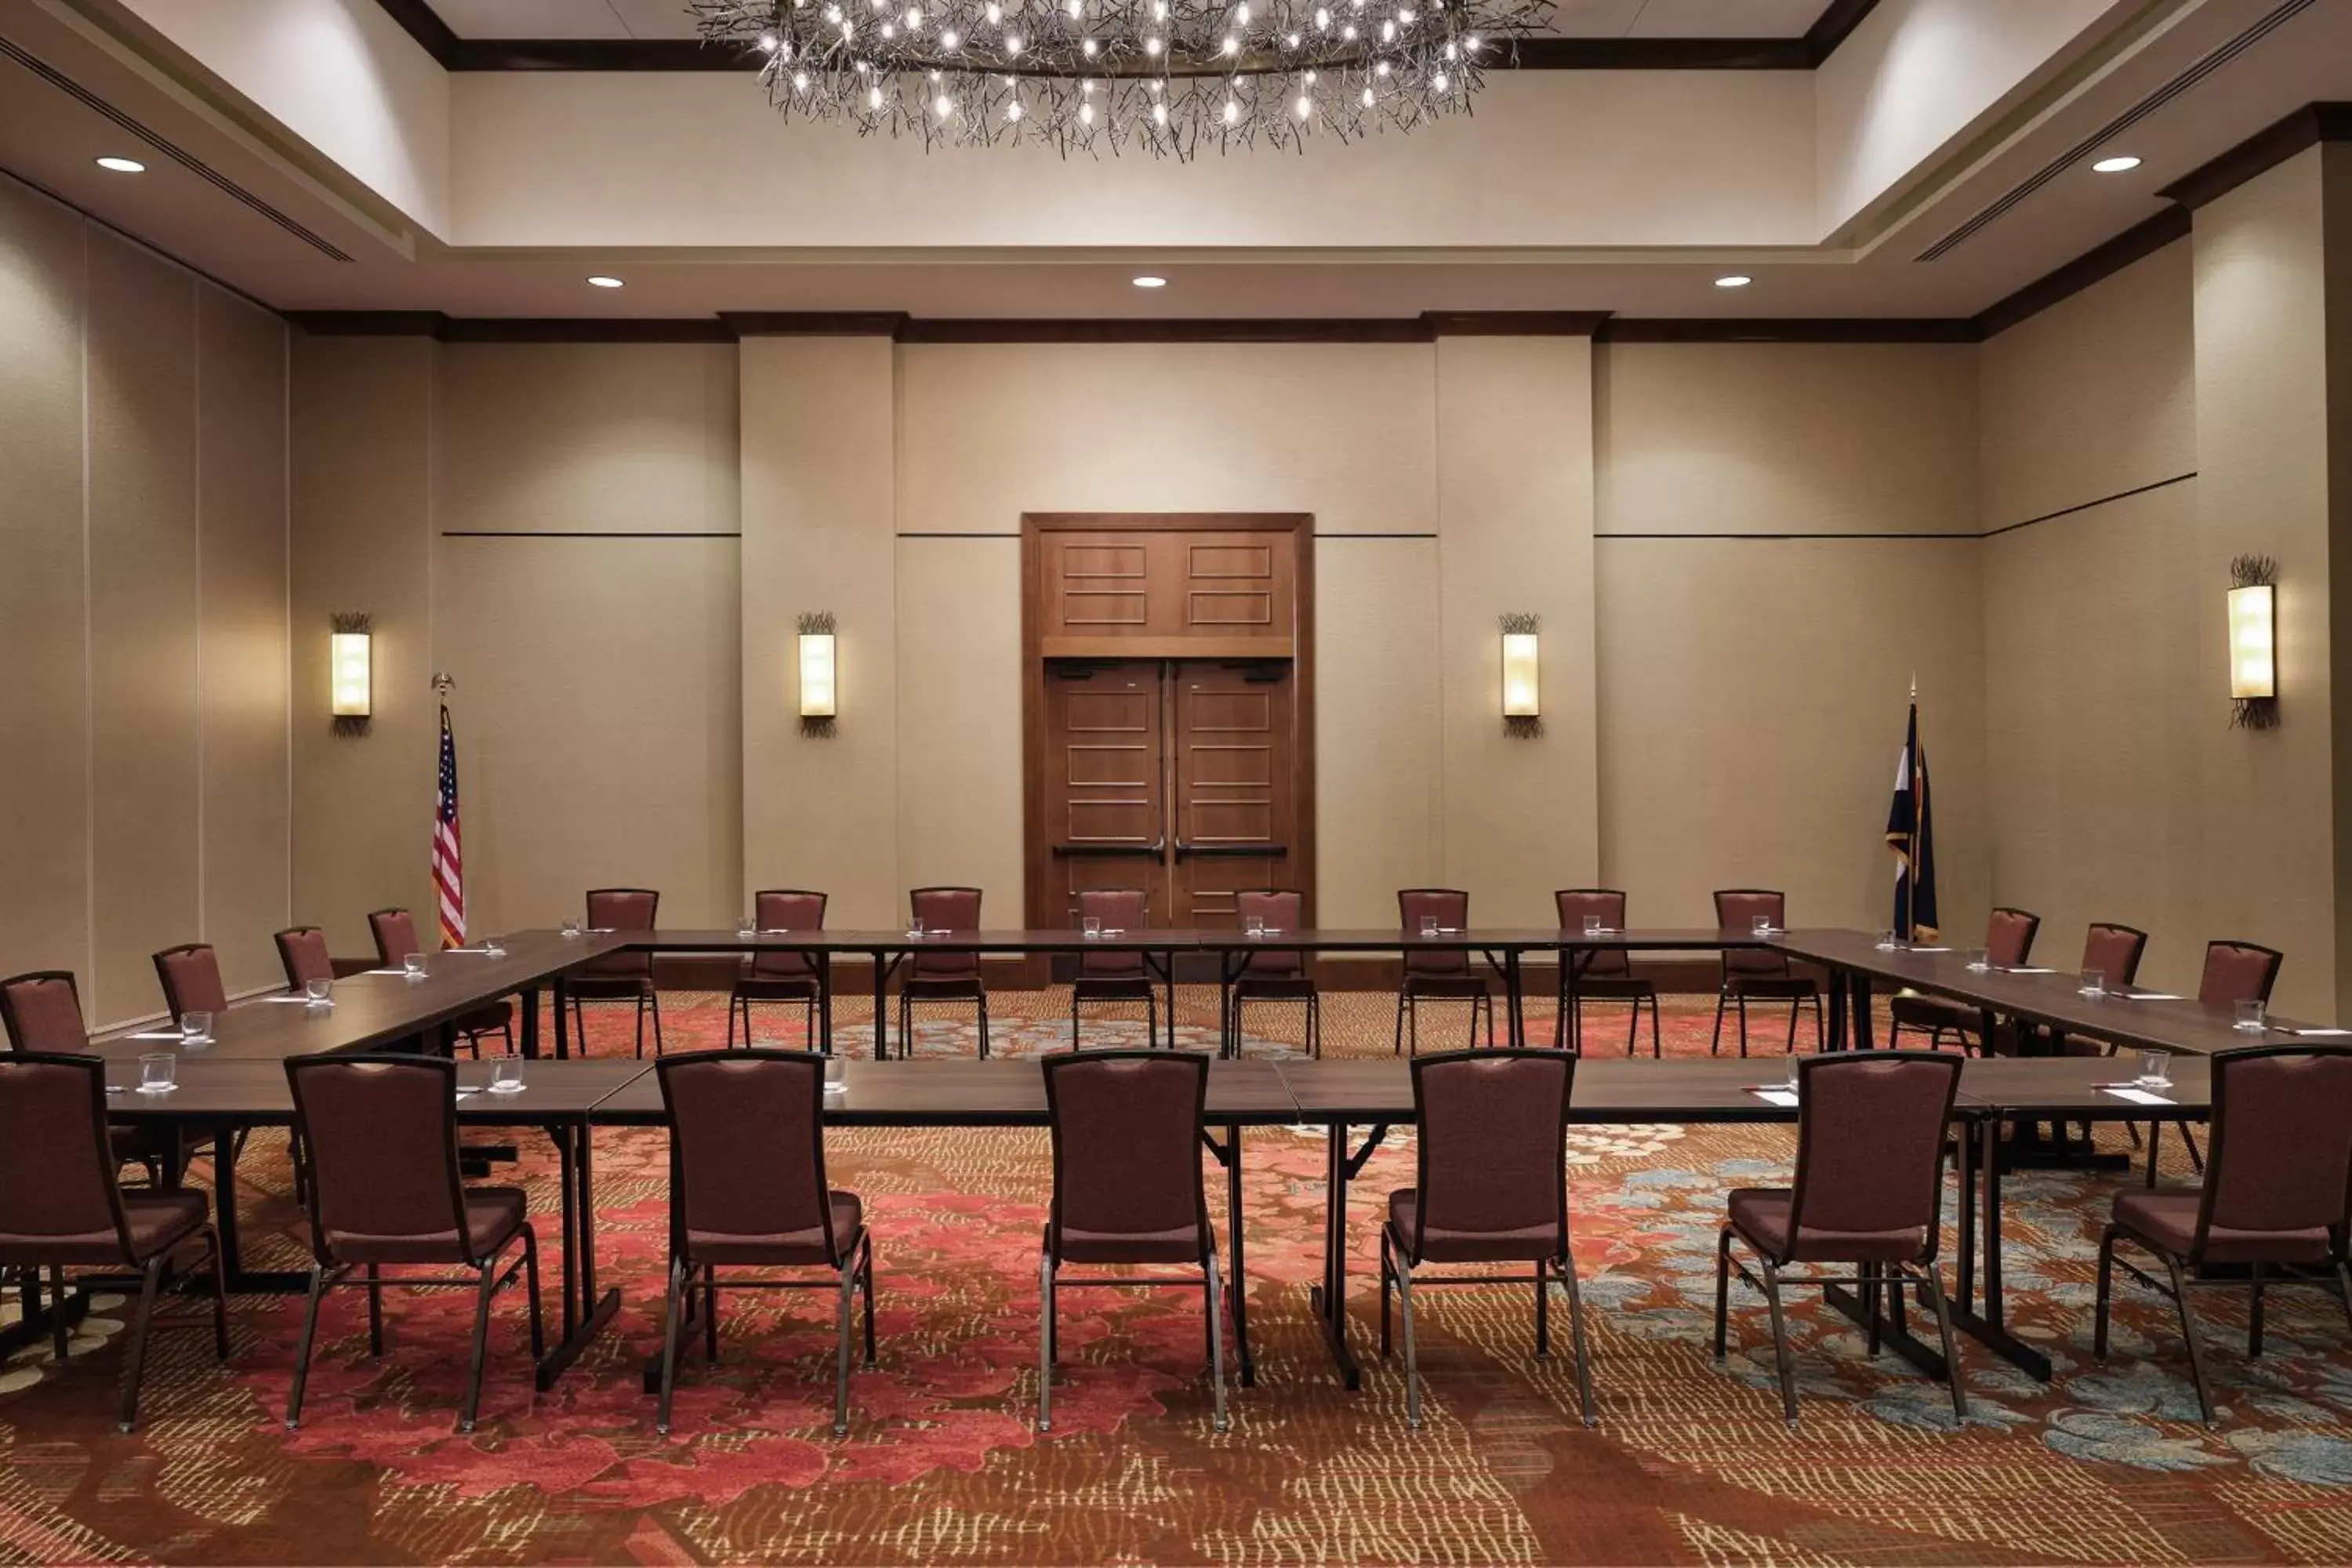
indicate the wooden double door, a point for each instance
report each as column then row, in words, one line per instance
column 1177, row 776
column 1169, row 711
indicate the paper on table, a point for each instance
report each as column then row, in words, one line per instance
column 303, row 1001
column 2320, row 1034
column 157, row 1035
column 1786, row 1098
column 384, row 972
column 2138, row 1096
column 1916, row 949
column 2022, row 969
column 2148, row 996
column 466, row 1089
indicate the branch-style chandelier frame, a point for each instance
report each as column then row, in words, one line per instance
column 1172, row 78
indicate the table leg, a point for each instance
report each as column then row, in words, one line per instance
column 881, row 1017
column 1330, row 1300
column 825, row 1002
column 1986, row 1326
column 530, row 1021
column 1834, row 1028
column 563, row 1023
column 1861, row 1008
column 578, row 1238
column 1238, row 1269
column 1517, row 1000
column 1965, row 1254
column 275, row 1281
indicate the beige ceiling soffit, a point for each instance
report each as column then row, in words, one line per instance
column 169, row 70
column 1145, row 255
column 1929, row 184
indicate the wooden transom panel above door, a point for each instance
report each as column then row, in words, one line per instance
column 1133, row 592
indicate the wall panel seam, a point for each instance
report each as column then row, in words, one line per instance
column 88, row 663
column 2086, row 506
column 196, row 510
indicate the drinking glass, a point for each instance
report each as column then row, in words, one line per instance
column 1761, row 925
column 1886, row 941
column 2249, row 1017
column 1592, row 926
column 1090, row 927
column 916, row 928
column 506, row 1075
column 570, row 926
column 413, row 965
column 321, row 993
column 1252, row 925
column 2094, row 983
column 493, row 948
column 747, row 928
column 1796, row 1080
column 158, row 1072
column 1429, row 925
column 2152, row 1071
column 195, row 1027
column 1979, row 960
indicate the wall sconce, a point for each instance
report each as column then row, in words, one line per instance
column 1522, row 702
column 2253, row 643
column 350, row 675
column 818, row 673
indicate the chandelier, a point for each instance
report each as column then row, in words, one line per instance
column 1173, row 77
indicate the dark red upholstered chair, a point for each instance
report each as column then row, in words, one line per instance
column 1273, row 973
column 748, row 1190
column 781, row 975
column 60, row 1207
column 1605, row 975
column 1868, row 1193
column 2008, row 943
column 1127, row 1188
column 191, row 977
column 2114, row 951
column 42, row 1012
column 619, row 977
column 1437, row 975
column 1491, row 1186
column 379, row 1133
column 303, row 950
column 2274, row 1201
column 396, row 938
column 1759, row 974
column 2238, row 971
column 1122, row 976
column 937, row 977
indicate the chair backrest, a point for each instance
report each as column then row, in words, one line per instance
column 1608, row 906
column 1118, row 909
column 747, row 1144
column 1492, row 1145
column 57, row 1165
column 1450, row 907
column 191, row 978
column 1127, row 1144
column 2008, row 937
column 1736, row 910
column 787, row 908
column 623, row 909
column 42, row 1012
column 380, row 1132
column 1278, row 908
column 2113, row 950
column 2238, row 971
column 395, row 936
column 945, row 908
column 2282, row 1143
column 1870, row 1141
column 303, row 950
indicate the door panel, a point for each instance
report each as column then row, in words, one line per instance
column 1105, row 778
column 1235, row 795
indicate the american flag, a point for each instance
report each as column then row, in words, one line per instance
column 449, row 856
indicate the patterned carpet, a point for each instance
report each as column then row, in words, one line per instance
column 1690, row 1463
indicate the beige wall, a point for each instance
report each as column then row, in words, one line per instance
column 1752, row 682
column 142, row 561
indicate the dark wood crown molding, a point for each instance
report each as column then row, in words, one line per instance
column 1825, row 330
column 731, row 326
column 444, row 328
column 2265, row 150
column 435, row 38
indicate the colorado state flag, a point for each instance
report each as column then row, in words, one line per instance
column 1910, row 833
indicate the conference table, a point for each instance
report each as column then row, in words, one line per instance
column 237, row 1079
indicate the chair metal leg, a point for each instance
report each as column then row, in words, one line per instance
column 150, row 1279
column 2155, row 1138
column 1216, row 1339
column 710, row 1316
column 303, row 1347
column 2105, row 1302
column 1821, row 1040
column 653, row 999
column 1576, row 1339
column 1872, row 1296
column 1411, row 1361
column 1559, row 1008
column 2196, row 1155
column 1543, row 1316
column 2189, row 1332
column 1658, row 1030
column 641, row 1026
column 841, row 1354
column 220, row 1293
column 1386, row 1265
column 1045, row 1342
column 530, row 1283
column 1074, row 1020
column 671, row 1321
column 1781, row 1344
column 375, row 1311
column 481, row 1346
column 1794, row 1008
column 1714, row 1045
column 737, row 1004
column 2254, row 1317
column 868, row 1273
column 1932, row 1286
column 983, row 1024
column 60, row 1332
column 1722, row 1292
column 1742, row 1001
column 1396, row 1046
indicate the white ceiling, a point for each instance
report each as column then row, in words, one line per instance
column 620, row 19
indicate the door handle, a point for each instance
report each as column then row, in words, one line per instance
column 1229, row 851
column 1156, row 848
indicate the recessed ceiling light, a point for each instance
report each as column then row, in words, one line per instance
column 1734, row 280
column 2114, row 166
column 1148, row 281
column 603, row 280
column 122, row 165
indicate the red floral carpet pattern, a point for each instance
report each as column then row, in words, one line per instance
column 1690, row 1463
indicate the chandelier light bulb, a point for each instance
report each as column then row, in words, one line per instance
column 1159, row 114
column 1381, row 68
column 948, row 40
column 1232, row 44
column 1438, row 81
column 943, row 106
column 1089, row 49
column 1349, row 32
column 1240, row 15
column 1323, row 20
column 1011, row 44
column 1013, row 110
column 1151, row 46
column 768, row 42
column 1233, row 112
column 994, row 13
column 1304, row 107
column 1085, row 114
column 1387, row 32
column 1367, row 98
column 800, row 82
column 833, row 13
column 1291, row 42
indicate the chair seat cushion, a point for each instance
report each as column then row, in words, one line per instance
column 486, row 1020
column 157, row 1222
column 1770, row 987
column 775, row 988
column 1525, row 1245
column 492, row 1215
column 1182, row 1245
column 2169, row 1220
column 782, row 1248
column 1934, row 1013
column 1762, row 1214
